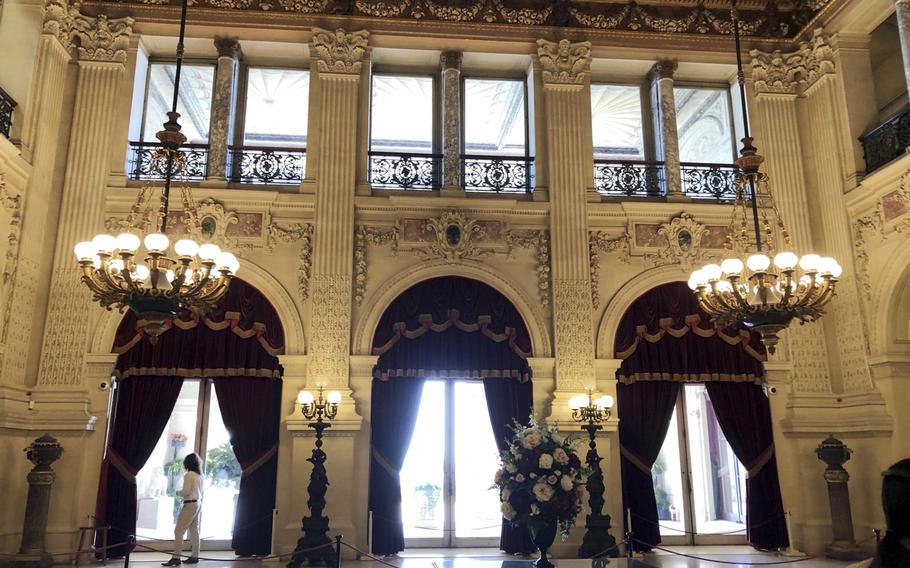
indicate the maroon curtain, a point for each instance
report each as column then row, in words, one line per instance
column 645, row 409
column 250, row 408
column 509, row 401
column 143, row 407
column 394, row 405
column 689, row 357
column 452, row 327
column 744, row 415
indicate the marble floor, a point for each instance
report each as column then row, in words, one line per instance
column 709, row 557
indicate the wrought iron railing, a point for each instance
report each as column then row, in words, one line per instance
column 887, row 141
column 146, row 165
column 397, row 170
column 267, row 164
column 7, row 104
column 498, row 174
column 630, row 178
column 709, row 181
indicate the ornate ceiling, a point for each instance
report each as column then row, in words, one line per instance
column 773, row 19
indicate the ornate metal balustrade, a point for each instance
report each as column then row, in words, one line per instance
column 887, row 141
column 267, row 164
column 629, row 178
column 145, row 165
column 709, row 181
column 7, row 104
column 396, row 170
column 498, row 174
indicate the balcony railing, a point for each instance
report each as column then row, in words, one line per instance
column 629, row 178
column 709, row 181
column 145, row 164
column 7, row 104
column 267, row 165
column 397, row 170
column 498, row 174
column 886, row 141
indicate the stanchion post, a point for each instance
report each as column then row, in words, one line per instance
column 338, row 551
column 878, row 537
column 629, row 533
column 130, row 545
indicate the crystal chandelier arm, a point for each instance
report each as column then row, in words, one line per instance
column 788, row 289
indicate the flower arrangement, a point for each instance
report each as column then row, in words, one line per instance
column 541, row 479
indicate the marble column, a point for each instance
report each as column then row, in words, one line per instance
column 450, row 62
column 221, row 132
column 902, row 11
column 102, row 52
column 666, row 136
column 339, row 63
column 39, row 145
column 565, row 68
column 835, row 454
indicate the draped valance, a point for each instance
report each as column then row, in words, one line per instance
column 665, row 336
column 452, row 327
column 241, row 337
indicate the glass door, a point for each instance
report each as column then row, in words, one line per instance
column 446, row 499
column 699, row 484
column 196, row 426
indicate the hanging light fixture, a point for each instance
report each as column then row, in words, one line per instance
column 158, row 283
column 763, row 292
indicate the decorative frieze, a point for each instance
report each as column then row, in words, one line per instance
column 537, row 241
column 601, row 242
column 364, row 237
column 778, row 72
column 11, row 204
column 329, row 350
column 564, row 62
column 94, row 38
column 889, row 218
column 339, row 51
column 572, row 324
column 301, row 233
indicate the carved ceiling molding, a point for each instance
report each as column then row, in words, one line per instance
column 883, row 223
column 339, row 51
column 786, row 73
column 564, row 62
column 601, row 242
column 453, row 237
column 694, row 17
column 92, row 38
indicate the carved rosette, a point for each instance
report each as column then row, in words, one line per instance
column 778, row 72
column 339, row 51
column 564, row 62
column 363, row 237
column 539, row 242
column 600, row 242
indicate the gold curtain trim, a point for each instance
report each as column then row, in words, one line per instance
column 250, row 469
column 426, row 324
column 195, row 373
column 118, row 462
column 762, row 460
column 634, row 459
column 231, row 320
column 384, row 463
column 743, row 338
column 450, row 374
column 691, row 378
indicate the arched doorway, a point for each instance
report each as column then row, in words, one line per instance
column 451, row 376
column 210, row 385
column 696, row 441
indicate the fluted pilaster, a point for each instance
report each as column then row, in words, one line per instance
column 339, row 64
column 902, row 11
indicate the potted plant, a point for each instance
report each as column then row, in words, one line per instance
column 428, row 497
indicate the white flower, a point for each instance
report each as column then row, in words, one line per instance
column 535, row 510
column 558, row 438
column 560, row 456
column 566, row 483
column 498, row 477
column 546, row 461
column 506, row 493
column 515, row 452
column 508, row 513
column 530, row 439
column 511, row 467
column 543, row 492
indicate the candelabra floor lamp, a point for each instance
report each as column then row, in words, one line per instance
column 597, row 542
column 315, row 546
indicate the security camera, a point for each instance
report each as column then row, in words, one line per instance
column 104, row 385
column 771, row 389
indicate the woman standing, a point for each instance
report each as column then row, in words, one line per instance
column 188, row 519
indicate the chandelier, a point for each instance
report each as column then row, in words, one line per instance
column 762, row 290
column 159, row 281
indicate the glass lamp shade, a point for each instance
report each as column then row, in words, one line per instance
column 305, row 397
column 696, row 279
column 127, row 242
column 711, row 272
column 156, row 242
column 186, row 247
column 104, row 243
column 786, row 260
column 578, row 401
column 827, row 265
column 227, row 260
column 758, row 262
column 605, row 402
column 334, row 397
column 85, row 250
column 732, row 266
column 140, row 273
column 809, row 262
column 209, row 251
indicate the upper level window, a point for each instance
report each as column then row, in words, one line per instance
column 495, row 117
column 401, row 114
column 705, row 125
column 277, row 107
column 194, row 103
column 617, row 123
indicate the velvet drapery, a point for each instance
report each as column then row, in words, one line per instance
column 143, row 409
column 744, row 415
column 394, row 405
column 645, row 409
column 509, row 401
column 250, row 408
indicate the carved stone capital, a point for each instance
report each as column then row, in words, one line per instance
column 450, row 60
column 58, row 20
column 663, row 69
column 227, row 47
column 100, row 38
column 778, row 72
column 564, row 62
column 339, row 51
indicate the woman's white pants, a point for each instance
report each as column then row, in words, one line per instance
column 187, row 520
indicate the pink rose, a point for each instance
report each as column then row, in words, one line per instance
column 519, row 478
column 560, row 456
column 552, row 480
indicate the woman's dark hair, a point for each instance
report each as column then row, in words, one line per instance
column 891, row 552
column 191, row 463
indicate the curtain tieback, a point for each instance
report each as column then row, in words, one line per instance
column 250, row 469
column 760, row 462
column 122, row 466
column 634, row 459
column 384, row 463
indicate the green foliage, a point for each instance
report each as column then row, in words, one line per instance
column 221, row 465
column 430, row 492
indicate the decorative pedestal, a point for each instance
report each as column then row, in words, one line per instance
column 835, row 454
column 316, row 525
column 42, row 452
column 597, row 542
